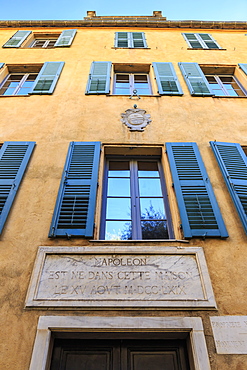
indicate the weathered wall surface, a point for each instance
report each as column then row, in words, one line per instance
column 70, row 115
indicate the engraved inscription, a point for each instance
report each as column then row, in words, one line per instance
column 120, row 277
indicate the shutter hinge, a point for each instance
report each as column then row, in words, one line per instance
column 53, row 232
column 68, row 236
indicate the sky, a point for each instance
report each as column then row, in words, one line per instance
column 217, row 10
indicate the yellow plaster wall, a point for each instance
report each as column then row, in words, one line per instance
column 70, row 115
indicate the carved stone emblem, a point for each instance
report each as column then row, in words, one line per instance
column 135, row 119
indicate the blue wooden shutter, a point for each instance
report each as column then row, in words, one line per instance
column 66, row 38
column 14, row 157
column 1, row 65
column 138, row 40
column 75, row 207
column 198, row 207
column 192, row 40
column 47, row 78
column 17, row 39
column 99, row 78
column 122, row 39
column 195, row 79
column 233, row 164
column 208, row 41
column 166, row 79
column 243, row 66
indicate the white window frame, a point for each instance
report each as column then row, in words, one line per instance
column 20, row 84
column 46, row 42
column 42, row 350
column 200, row 40
column 131, row 82
column 131, row 40
column 221, row 84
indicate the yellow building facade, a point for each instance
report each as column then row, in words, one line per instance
column 148, row 265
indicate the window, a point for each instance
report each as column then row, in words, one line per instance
column 134, row 200
column 201, row 41
column 30, row 79
column 129, row 79
column 215, row 80
column 14, row 157
column 135, row 204
column 232, row 161
column 40, row 39
column 130, row 40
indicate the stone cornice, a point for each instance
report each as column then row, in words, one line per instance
column 133, row 22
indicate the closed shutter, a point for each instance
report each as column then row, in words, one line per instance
column 99, row 78
column 138, row 40
column 166, row 79
column 208, row 41
column 201, row 41
column 47, row 78
column 233, row 164
column 199, row 211
column 75, row 207
column 14, row 157
column 243, row 66
column 16, row 40
column 66, row 38
column 122, row 39
column 192, row 40
column 195, row 79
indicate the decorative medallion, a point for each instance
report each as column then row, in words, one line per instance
column 135, row 119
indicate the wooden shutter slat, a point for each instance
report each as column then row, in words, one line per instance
column 199, row 211
column 66, row 38
column 195, row 79
column 75, row 206
column 14, row 157
column 47, row 78
column 166, row 79
column 233, row 164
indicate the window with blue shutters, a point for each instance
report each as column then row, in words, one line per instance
column 130, row 40
column 166, row 78
column 14, row 157
column 200, row 41
column 99, row 78
column 76, row 201
column 232, row 161
column 199, row 211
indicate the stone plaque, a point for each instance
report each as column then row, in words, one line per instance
column 230, row 334
column 90, row 277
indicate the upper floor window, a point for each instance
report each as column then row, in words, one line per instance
column 130, row 40
column 201, row 41
column 29, row 78
column 40, row 39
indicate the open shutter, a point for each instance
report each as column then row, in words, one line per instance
column 199, row 211
column 66, row 38
column 99, row 78
column 47, row 78
column 14, row 157
column 233, row 164
column 138, row 40
column 166, row 79
column 122, row 39
column 75, row 207
column 1, row 65
column 195, row 79
column 243, row 66
column 17, row 39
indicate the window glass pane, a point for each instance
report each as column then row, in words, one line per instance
column 150, row 187
column 119, row 187
column 148, row 169
column 118, row 208
column 118, row 169
column 118, row 230
column 154, row 230
column 152, row 208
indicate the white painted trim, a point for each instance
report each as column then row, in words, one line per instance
column 47, row 324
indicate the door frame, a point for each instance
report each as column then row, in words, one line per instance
column 50, row 324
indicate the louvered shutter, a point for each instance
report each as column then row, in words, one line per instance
column 243, row 66
column 1, row 65
column 17, row 39
column 138, row 40
column 122, row 39
column 14, row 157
column 75, row 207
column 47, row 78
column 208, row 40
column 195, row 79
column 192, row 40
column 66, row 38
column 99, row 78
column 199, row 211
column 166, row 79
column 233, row 164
